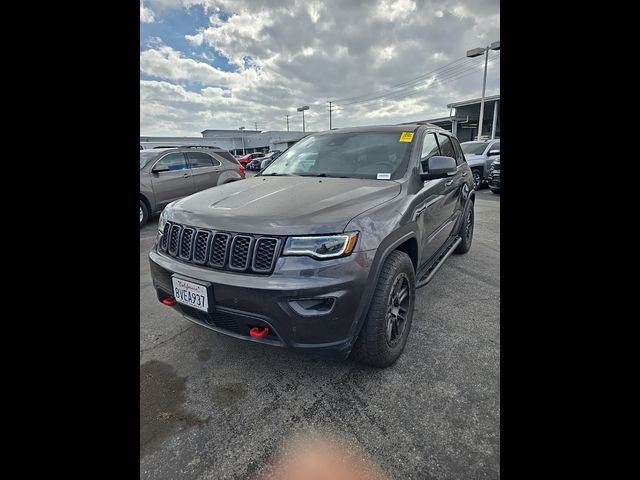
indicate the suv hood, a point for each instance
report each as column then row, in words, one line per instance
column 283, row 205
column 475, row 160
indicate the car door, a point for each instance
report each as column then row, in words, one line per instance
column 171, row 179
column 430, row 214
column 452, row 185
column 205, row 170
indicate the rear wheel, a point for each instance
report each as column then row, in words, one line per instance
column 388, row 322
column 144, row 213
column 466, row 230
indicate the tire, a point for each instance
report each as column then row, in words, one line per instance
column 144, row 213
column 377, row 346
column 466, row 230
column 495, row 190
column 477, row 178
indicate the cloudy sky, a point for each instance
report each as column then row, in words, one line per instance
column 230, row 63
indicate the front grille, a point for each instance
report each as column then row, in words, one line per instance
column 240, row 249
column 186, row 243
column 264, row 254
column 221, row 250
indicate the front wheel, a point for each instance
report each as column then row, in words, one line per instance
column 477, row 178
column 386, row 327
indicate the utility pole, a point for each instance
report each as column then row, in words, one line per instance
column 256, row 125
column 330, row 110
column 287, row 122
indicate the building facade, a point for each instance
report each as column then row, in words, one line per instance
column 237, row 142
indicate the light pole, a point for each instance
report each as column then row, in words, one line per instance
column 302, row 109
column 242, row 128
column 476, row 52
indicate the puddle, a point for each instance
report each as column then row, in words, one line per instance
column 162, row 398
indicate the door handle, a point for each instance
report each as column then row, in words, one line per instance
column 448, row 183
column 186, row 175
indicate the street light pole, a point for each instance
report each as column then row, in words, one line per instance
column 302, row 109
column 476, row 52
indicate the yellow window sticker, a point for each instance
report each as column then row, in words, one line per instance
column 406, row 137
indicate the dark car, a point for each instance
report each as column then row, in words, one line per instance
column 494, row 176
column 256, row 163
column 350, row 223
column 167, row 174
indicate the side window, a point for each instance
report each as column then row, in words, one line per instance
column 446, row 147
column 459, row 155
column 199, row 159
column 495, row 146
column 429, row 149
column 173, row 161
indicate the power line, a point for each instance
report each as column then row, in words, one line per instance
column 442, row 74
column 461, row 62
column 452, row 74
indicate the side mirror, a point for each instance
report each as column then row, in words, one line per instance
column 439, row 167
column 493, row 152
column 159, row 169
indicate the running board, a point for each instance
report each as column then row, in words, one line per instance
column 426, row 278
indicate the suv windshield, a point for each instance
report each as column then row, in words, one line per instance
column 145, row 157
column 473, row 148
column 349, row 155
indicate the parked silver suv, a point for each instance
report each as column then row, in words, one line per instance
column 167, row 174
column 479, row 156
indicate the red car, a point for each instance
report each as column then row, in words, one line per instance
column 245, row 159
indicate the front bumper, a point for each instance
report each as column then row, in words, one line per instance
column 494, row 181
column 241, row 301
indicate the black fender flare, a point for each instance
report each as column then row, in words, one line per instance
column 392, row 243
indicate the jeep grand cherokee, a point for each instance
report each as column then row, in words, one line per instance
column 350, row 223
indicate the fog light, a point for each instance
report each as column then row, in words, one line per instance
column 312, row 306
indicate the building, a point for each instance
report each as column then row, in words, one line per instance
column 464, row 116
column 237, row 142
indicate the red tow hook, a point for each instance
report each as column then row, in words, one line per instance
column 169, row 301
column 255, row 332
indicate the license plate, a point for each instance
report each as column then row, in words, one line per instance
column 191, row 294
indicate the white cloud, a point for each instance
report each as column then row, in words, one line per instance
column 287, row 53
column 146, row 15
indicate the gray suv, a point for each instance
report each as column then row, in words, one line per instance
column 167, row 174
column 479, row 156
column 351, row 222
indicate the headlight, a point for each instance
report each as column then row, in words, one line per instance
column 322, row 247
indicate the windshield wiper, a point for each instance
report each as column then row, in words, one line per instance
column 323, row 175
column 274, row 174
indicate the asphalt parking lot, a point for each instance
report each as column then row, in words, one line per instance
column 213, row 407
